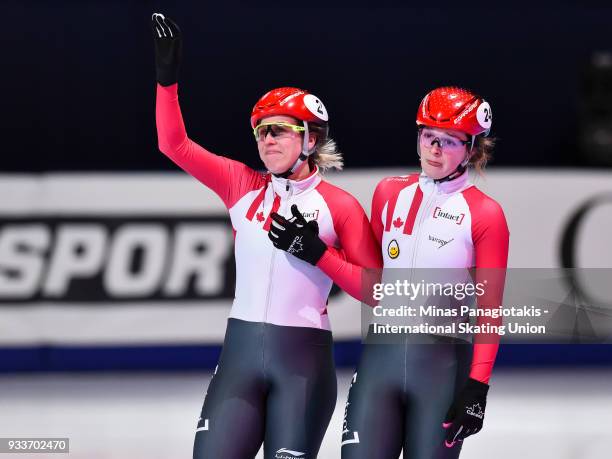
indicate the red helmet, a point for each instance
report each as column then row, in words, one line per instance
column 450, row 107
column 294, row 102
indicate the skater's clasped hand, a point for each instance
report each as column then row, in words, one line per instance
column 297, row 236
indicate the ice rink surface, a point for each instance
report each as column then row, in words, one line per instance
column 560, row 414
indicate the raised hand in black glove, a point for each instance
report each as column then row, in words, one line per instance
column 168, row 49
column 466, row 414
column 297, row 236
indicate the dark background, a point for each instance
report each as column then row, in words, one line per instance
column 78, row 77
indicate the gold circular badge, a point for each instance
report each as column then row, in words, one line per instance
column 393, row 249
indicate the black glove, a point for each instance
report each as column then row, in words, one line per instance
column 466, row 414
column 297, row 236
column 168, row 49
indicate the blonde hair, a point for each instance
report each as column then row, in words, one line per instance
column 482, row 153
column 326, row 154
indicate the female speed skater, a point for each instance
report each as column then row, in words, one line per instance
column 275, row 382
column 425, row 396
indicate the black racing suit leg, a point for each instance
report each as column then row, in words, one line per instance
column 299, row 365
column 400, row 396
column 437, row 368
column 232, row 421
column 274, row 384
column 373, row 426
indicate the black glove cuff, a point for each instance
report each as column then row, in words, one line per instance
column 165, row 77
column 476, row 387
column 318, row 250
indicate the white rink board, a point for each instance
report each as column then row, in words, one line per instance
column 537, row 204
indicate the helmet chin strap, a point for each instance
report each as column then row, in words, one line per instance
column 459, row 171
column 460, row 168
column 303, row 155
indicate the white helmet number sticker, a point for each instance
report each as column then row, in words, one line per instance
column 316, row 107
column 484, row 115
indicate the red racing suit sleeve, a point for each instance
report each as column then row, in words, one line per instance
column 491, row 237
column 229, row 179
column 360, row 256
column 352, row 278
column 378, row 203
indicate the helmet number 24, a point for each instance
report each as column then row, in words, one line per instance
column 488, row 115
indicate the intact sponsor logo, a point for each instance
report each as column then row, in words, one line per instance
column 441, row 242
column 457, row 218
column 102, row 258
column 285, row 453
column 312, row 215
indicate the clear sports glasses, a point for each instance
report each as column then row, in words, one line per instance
column 278, row 130
column 448, row 143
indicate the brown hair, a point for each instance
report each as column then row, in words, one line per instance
column 482, row 153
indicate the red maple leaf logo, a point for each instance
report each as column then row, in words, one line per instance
column 398, row 222
column 260, row 217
